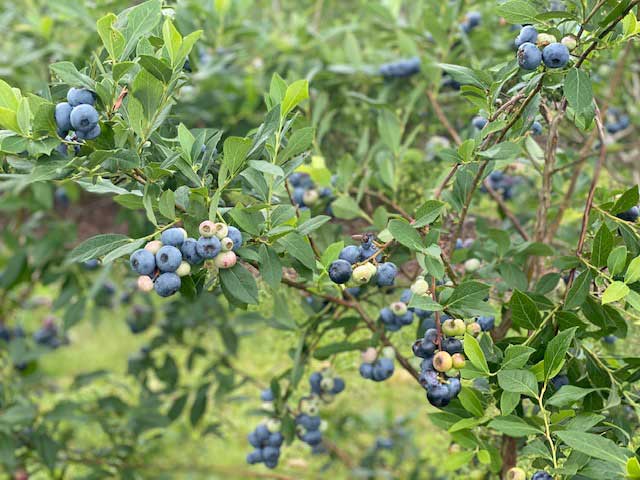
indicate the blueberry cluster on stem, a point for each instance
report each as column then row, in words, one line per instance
column 77, row 114
column 360, row 264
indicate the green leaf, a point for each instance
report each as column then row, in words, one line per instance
column 617, row 260
column 502, row 151
column 466, row 76
column 235, row 151
column 138, row 21
column 427, row 213
column 126, row 249
column 518, row 381
column 238, row 283
column 167, row 204
column 270, row 266
column 112, row 39
column 97, row 246
column 471, row 400
column 347, row 208
column 390, row 129
column 312, row 224
column 475, row 354
column 578, row 91
column 518, row 11
column 556, row 351
column 633, row 271
column 297, row 246
column 568, row 395
column 595, row 446
column 69, row 74
column 513, row 426
column 424, row 302
column 614, row 292
column 516, row 356
column 296, row 93
column 508, row 402
column 630, row 198
column 468, row 298
column 326, row 351
column 602, row 245
column 406, row 235
column 579, row 290
column 524, row 311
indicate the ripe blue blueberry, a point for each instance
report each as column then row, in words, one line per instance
column 309, row 422
column 234, row 234
column 610, row 339
column 438, row 396
column 630, row 215
column 63, row 118
column 560, row 381
column 384, row 443
column 338, row 385
column 479, row 122
column 350, row 253
column 406, row 319
column 208, row 247
column 541, row 475
column 168, row 258
column 340, row 272
column 143, row 262
column 266, row 395
column 386, row 366
column 386, row 274
column 262, row 433
column 528, row 34
column 454, row 387
column 452, row 345
column 270, row 453
column 428, row 379
column 80, row 96
column 314, row 382
column 473, row 19
column 275, row 440
column 173, row 237
column 386, row 316
column 189, row 251
column 254, row 457
column 536, row 128
column 486, row 323
column 369, row 250
column 366, row 370
column 312, row 438
column 555, row 55
column 529, row 56
column 84, row 118
column 167, row 284
column 401, row 69
column 89, row 135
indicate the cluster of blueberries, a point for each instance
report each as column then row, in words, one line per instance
column 48, row 334
column 361, row 264
column 161, row 263
column 305, row 192
column 266, row 443
column 399, row 314
column 374, row 368
column 616, row 121
column 554, row 54
column 77, row 114
column 325, row 386
column 503, row 183
column 401, row 68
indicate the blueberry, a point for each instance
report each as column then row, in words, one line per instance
column 429, row 379
column 314, row 381
column 386, row 365
column 354, row 291
column 406, row 296
column 452, row 345
column 384, row 443
column 386, row 274
column 386, row 316
column 90, row 135
column 254, row 457
column 266, row 395
column 454, row 387
column 275, row 440
column 143, row 262
column 366, row 370
column 296, row 179
column 536, row 128
column 541, row 475
column 400, row 69
column 406, row 319
column 338, row 385
column 486, row 323
column 479, row 122
column 438, row 396
column 235, row 235
column 312, row 438
column 423, row 349
column 351, row 254
column 271, row 463
column 262, row 433
column 555, row 55
column 529, row 56
column 208, row 247
column 84, row 118
column 559, row 381
column 189, row 250
column 173, row 236
column 168, row 259
column 167, row 284
column 528, row 34
column 369, row 250
column 80, row 96
column 298, row 196
column 63, row 118
column 610, row 339
column 340, row 272
column 630, row 215
column 91, row 264
column 270, row 453
column 473, row 19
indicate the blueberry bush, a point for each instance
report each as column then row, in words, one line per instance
column 377, row 239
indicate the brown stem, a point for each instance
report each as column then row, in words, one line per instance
column 443, row 118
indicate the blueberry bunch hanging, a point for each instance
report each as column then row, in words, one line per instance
column 554, row 54
column 401, row 68
column 162, row 263
column 359, row 264
column 325, row 386
column 266, row 443
column 440, row 368
column 616, row 120
column 79, row 115
column 305, row 193
column 49, row 335
column 376, row 368
column 503, row 183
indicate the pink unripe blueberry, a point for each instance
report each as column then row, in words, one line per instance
column 153, row 246
column 207, row 228
column 145, row 284
column 221, row 230
column 369, row 355
column 226, row 259
column 227, row 244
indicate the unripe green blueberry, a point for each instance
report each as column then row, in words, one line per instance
column 327, row 397
column 309, row 408
column 153, row 246
column 145, row 284
column 221, row 230
column 310, row 197
column 184, row 269
column 369, row 355
column 207, row 228
column 570, row 41
column 442, row 361
column 458, row 361
column 399, row 308
column 459, row 326
column 545, row 39
column 561, row 287
column 474, row 329
column 363, row 273
column 323, row 426
column 274, row 425
column 388, row 352
column 227, row 244
column 472, row 265
column 326, row 383
column 420, row 287
column 454, row 448
column 516, row 473
column 452, row 373
column 225, row 259
column 449, row 327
